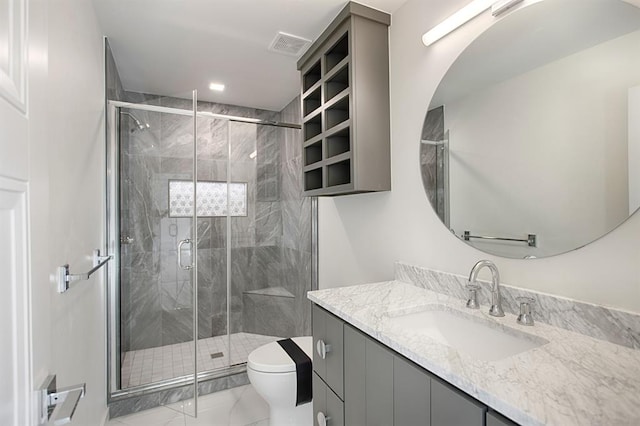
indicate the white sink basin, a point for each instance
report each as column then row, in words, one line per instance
column 474, row 336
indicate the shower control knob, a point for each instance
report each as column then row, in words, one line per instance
column 322, row 419
column 323, row 349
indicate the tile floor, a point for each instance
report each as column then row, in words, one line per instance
column 166, row 362
column 240, row 406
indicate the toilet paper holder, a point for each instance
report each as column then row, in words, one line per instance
column 59, row 405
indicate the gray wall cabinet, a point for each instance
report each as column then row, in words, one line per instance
column 345, row 105
column 379, row 387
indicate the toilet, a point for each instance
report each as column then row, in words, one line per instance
column 272, row 373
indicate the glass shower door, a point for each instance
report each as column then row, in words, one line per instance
column 157, row 244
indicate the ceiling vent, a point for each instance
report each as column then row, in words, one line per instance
column 288, row 44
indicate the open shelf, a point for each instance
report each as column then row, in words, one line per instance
column 311, row 77
column 337, row 53
column 337, row 83
column 338, row 143
column 311, row 102
column 337, row 113
column 312, row 127
column 313, row 153
column 345, row 105
column 313, row 179
column 339, row 173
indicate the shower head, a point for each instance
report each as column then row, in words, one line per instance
column 139, row 124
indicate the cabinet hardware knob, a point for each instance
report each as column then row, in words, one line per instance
column 322, row 419
column 323, row 349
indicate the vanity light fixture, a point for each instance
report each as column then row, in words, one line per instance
column 216, row 87
column 464, row 15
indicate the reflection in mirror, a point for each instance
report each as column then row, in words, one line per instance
column 533, row 135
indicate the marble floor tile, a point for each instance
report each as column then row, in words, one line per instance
column 240, row 406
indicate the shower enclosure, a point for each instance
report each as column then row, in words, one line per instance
column 211, row 236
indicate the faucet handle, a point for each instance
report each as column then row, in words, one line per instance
column 525, row 317
column 472, row 301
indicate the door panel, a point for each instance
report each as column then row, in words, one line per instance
column 14, row 315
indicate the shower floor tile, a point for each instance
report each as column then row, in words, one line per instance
column 151, row 365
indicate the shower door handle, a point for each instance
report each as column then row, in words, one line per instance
column 180, row 244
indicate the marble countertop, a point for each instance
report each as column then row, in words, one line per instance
column 571, row 380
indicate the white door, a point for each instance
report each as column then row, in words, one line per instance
column 17, row 392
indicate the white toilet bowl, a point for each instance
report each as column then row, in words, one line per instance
column 273, row 375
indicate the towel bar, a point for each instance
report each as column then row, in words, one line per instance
column 65, row 278
column 531, row 239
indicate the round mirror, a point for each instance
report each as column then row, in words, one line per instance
column 531, row 143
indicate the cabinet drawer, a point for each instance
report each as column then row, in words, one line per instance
column 449, row 407
column 328, row 331
column 327, row 403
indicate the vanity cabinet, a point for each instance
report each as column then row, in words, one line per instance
column 345, row 105
column 496, row 419
column 379, row 387
column 449, row 407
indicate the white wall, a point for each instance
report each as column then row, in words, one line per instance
column 67, row 163
column 564, row 178
column 362, row 236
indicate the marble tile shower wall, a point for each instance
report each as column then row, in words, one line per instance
column 432, row 160
column 268, row 248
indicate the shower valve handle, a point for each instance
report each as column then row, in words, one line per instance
column 180, row 244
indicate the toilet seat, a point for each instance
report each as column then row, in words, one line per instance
column 271, row 358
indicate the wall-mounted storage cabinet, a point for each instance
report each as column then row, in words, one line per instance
column 345, row 105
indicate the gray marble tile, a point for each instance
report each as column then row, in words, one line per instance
column 292, row 179
column 268, row 223
column 269, row 139
column 144, row 323
column 177, row 325
column 296, row 224
column 268, row 182
column 615, row 326
column 242, row 141
column 269, row 315
column 169, row 270
column 135, row 404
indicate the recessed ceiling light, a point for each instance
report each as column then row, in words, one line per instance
column 217, row 87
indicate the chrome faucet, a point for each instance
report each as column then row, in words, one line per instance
column 496, row 299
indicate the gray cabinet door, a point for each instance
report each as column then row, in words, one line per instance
column 318, row 329
column 378, row 384
column 328, row 329
column 327, row 403
column 354, row 377
column 411, row 394
column 368, row 380
column 450, row 407
column 334, row 358
column 495, row 419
